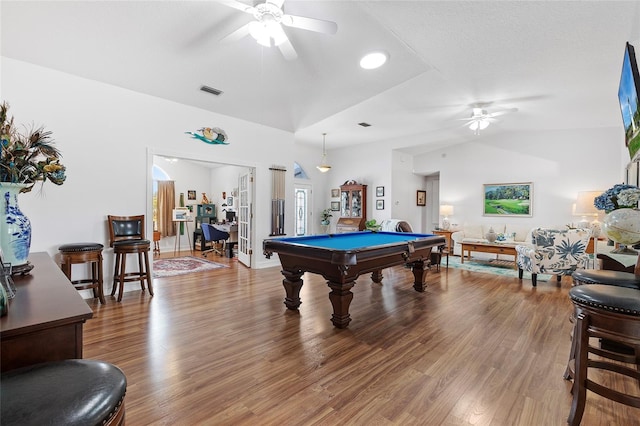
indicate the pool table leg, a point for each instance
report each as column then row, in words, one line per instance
column 340, row 297
column 376, row 276
column 292, row 284
column 419, row 269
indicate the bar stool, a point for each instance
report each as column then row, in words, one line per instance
column 156, row 243
column 78, row 253
column 73, row 392
column 606, row 312
column 608, row 277
column 126, row 234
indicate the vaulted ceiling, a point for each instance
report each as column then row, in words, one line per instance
column 557, row 62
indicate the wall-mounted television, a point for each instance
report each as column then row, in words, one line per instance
column 628, row 94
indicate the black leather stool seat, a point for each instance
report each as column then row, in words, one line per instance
column 79, row 253
column 77, row 247
column 131, row 243
column 71, row 392
column 616, row 278
column 608, row 297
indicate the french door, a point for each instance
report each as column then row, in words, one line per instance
column 244, row 218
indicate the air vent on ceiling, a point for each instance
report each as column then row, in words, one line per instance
column 211, row 90
column 363, row 124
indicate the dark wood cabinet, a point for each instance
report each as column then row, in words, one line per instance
column 353, row 208
column 45, row 318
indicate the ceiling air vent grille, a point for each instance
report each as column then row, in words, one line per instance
column 211, row 90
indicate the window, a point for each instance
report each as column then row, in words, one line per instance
column 157, row 174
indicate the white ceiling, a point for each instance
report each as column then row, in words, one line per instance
column 557, row 62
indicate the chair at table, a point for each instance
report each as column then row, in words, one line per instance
column 555, row 252
column 127, row 236
column 214, row 236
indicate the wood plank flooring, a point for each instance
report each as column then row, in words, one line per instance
column 220, row 348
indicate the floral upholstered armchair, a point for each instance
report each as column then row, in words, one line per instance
column 555, row 252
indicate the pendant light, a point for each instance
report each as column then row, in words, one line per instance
column 324, row 167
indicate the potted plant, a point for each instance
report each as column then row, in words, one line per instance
column 372, row 225
column 324, row 217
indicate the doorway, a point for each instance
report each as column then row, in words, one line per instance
column 202, row 181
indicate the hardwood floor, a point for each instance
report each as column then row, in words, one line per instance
column 220, row 347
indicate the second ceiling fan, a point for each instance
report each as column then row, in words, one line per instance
column 481, row 118
column 267, row 28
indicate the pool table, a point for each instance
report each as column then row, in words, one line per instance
column 341, row 258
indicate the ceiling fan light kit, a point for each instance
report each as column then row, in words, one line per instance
column 481, row 118
column 267, row 27
column 264, row 32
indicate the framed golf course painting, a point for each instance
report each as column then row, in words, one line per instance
column 508, row 199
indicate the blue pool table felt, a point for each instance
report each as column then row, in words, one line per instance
column 353, row 240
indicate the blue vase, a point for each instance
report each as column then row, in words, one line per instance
column 15, row 227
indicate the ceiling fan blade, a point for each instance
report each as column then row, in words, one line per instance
column 236, row 35
column 238, row 5
column 503, row 112
column 287, row 50
column 278, row 3
column 311, row 24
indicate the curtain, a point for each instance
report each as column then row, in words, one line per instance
column 166, row 204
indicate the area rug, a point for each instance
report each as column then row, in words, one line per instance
column 182, row 265
column 494, row 266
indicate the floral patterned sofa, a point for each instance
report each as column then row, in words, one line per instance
column 555, row 252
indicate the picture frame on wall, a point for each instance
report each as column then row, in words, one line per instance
column 335, row 206
column 421, row 198
column 508, row 199
column 191, row 194
column 379, row 191
column 379, row 204
column 335, row 193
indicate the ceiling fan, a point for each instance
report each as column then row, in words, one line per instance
column 267, row 28
column 481, row 118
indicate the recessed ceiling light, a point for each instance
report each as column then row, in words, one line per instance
column 373, row 60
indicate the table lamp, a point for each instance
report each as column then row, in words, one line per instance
column 446, row 210
column 585, row 207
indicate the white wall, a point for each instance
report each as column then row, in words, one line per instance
column 107, row 136
column 559, row 164
column 367, row 164
column 402, row 203
column 225, row 179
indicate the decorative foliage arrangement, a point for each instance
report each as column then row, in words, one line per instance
column 28, row 157
column 620, row 196
column 211, row 135
column 325, row 215
column 372, row 225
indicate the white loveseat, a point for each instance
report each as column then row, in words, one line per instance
column 474, row 233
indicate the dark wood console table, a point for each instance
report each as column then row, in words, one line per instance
column 45, row 318
column 612, row 264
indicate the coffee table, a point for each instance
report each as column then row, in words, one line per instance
column 487, row 247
